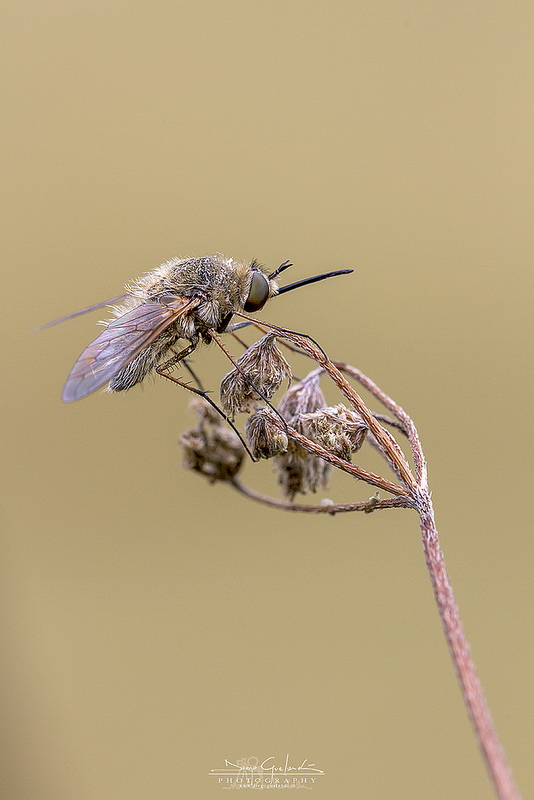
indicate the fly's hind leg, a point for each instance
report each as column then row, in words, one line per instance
column 193, row 374
column 161, row 369
column 175, row 359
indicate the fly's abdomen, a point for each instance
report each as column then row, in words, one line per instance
column 143, row 364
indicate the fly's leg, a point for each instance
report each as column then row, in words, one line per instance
column 200, row 392
column 175, row 359
column 193, row 374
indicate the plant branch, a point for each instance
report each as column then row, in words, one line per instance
column 367, row 506
column 472, row 692
column 398, row 411
column 356, row 472
column 413, row 493
column 391, row 450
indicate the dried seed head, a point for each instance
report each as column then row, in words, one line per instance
column 317, row 473
column 298, row 470
column 264, row 366
column 265, row 437
column 212, row 448
column 302, row 398
column 337, row 429
column 291, row 475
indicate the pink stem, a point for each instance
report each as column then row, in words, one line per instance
column 459, row 649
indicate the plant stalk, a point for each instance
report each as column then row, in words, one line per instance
column 412, row 493
column 470, row 686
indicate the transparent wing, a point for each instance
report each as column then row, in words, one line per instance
column 112, row 301
column 123, row 339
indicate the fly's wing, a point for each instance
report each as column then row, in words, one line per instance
column 110, row 302
column 122, row 340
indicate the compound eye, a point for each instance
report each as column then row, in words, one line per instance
column 259, row 292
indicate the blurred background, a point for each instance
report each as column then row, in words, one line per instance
column 155, row 625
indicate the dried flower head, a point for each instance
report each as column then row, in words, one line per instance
column 265, row 437
column 298, row 470
column 303, row 397
column 213, row 449
column 337, row 429
column 265, row 368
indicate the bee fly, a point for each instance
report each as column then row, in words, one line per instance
column 191, row 299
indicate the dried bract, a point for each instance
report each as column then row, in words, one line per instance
column 337, row 429
column 212, row 448
column 264, row 367
column 298, row 470
column 265, row 437
column 302, row 398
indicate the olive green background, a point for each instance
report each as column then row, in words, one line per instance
column 156, row 625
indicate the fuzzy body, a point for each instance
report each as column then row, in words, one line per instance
column 221, row 284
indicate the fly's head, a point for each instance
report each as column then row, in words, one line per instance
column 234, row 286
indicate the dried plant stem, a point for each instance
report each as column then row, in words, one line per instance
column 413, row 493
column 356, row 472
column 472, row 692
column 390, row 449
column 471, row 688
column 408, row 426
column 389, row 446
column 374, row 504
